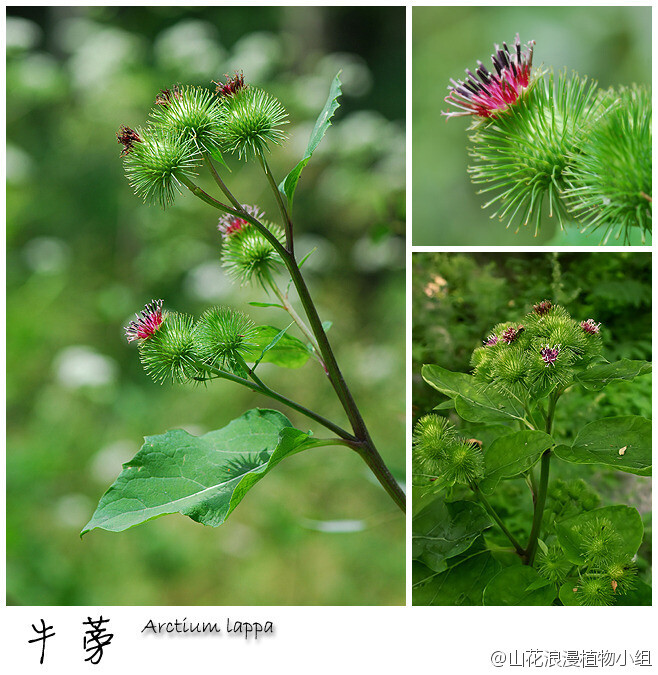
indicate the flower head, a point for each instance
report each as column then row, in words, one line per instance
column 543, row 307
column 490, row 341
column 232, row 84
column 549, row 354
column 511, row 334
column 229, row 224
column 148, row 321
column 127, row 137
column 491, row 93
column 591, row 327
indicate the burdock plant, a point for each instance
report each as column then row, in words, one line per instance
column 567, row 550
column 554, row 145
column 205, row 477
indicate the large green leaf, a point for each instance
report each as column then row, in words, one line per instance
column 474, row 401
column 623, row 443
column 625, row 520
column 289, row 183
column 511, row 455
column 275, row 347
column 203, row 477
column 519, row 585
column 462, row 584
column 443, row 530
column 598, row 376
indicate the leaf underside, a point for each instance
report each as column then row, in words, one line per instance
column 202, row 477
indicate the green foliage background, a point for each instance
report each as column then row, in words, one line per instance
column 84, row 254
column 609, row 44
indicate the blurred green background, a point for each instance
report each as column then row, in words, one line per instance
column 84, row 254
column 609, row 44
column 457, row 298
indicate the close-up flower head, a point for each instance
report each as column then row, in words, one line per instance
column 490, row 93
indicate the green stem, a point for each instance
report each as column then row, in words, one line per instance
column 296, row 318
column 222, row 186
column 490, row 510
column 366, row 447
column 259, row 386
column 540, row 503
column 285, row 216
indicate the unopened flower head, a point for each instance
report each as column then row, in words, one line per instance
column 231, row 86
column 229, row 224
column 542, row 308
column 549, row 354
column 591, row 327
column 147, row 322
column 490, row 341
column 127, row 137
column 511, row 334
column 490, row 93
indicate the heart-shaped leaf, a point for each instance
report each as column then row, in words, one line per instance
column 203, row 477
column 623, row 443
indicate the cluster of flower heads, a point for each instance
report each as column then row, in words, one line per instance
column 439, row 453
column 191, row 124
column 538, row 354
column 174, row 347
column 486, row 94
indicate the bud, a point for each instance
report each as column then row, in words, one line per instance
column 593, row 590
column 553, row 565
column 543, row 308
column 155, row 165
column 192, row 113
column 432, row 434
column 610, row 175
column 169, row 353
column 222, row 336
column 247, row 255
column 250, row 120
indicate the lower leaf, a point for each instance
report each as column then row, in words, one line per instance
column 202, row 477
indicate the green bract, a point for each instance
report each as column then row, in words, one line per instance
column 155, row 165
column 521, row 155
column 223, row 336
column 609, row 177
column 250, row 120
column 170, row 353
column 247, row 255
column 193, row 113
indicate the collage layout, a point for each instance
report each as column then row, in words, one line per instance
column 255, row 379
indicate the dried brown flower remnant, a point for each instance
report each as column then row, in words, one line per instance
column 231, row 86
column 127, row 137
column 166, row 96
